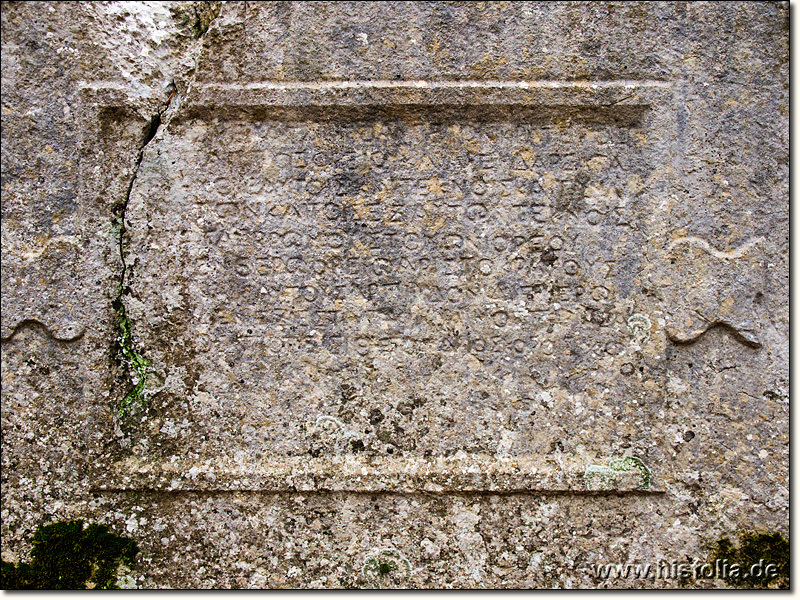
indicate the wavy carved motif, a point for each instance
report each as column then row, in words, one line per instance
column 710, row 288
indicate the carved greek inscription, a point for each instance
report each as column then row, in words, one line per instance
column 455, row 263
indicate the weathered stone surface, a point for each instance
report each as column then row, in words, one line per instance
column 395, row 294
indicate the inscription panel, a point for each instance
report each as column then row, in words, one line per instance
column 395, row 286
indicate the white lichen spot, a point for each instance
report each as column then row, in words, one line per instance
column 332, row 424
column 386, row 568
column 639, row 327
column 600, row 477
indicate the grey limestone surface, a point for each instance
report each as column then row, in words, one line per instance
column 491, row 293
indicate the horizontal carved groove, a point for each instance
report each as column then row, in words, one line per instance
column 350, row 474
column 621, row 104
column 621, row 116
column 393, row 492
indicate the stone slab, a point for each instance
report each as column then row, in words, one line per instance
column 486, row 295
column 399, row 267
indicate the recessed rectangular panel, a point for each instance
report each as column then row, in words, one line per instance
column 385, row 287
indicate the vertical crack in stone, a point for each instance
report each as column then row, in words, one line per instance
column 204, row 15
column 208, row 12
column 126, row 347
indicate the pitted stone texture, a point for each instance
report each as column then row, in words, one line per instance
column 492, row 41
column 455, row 273
column 67, row 164
column 511, row 243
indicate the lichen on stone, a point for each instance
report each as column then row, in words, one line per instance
column 639, row 327
column 387, row 568
column 601, row 477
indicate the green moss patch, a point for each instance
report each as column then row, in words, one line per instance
column 71, row 556
column 136, row 361
column 755, row 549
